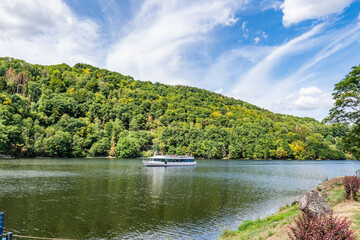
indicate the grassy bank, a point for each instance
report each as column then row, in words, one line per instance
column 277, row 225
column 265, row 227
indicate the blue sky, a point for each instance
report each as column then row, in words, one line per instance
column 282, row 55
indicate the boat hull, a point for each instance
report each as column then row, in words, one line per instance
column 168, row 164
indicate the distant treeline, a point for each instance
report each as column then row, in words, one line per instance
column 63, row 111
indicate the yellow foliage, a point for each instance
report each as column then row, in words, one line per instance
column 71, row 90
column 5, row 99
column 297, row 149
column 125, row 100
column 291, row 134
column 282, row 153
column 273, row 153
column 87, row 70
column 217, row 114
column 228, row 114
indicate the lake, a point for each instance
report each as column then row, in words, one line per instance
column 122, row 199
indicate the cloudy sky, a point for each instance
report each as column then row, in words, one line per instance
column 282, row 55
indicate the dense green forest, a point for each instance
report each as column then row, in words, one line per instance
column 63, row 111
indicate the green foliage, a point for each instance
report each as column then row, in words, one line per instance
column 126, row 148
column 347, row 109
column 347, row 99
column 59, row 145
column 352, row 141
column 335, row 196
column 100, row 148
column 86, row 111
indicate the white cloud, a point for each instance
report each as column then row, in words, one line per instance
column 270, row 4
column 243, row 26
column 107, row 5
column 229, row 66
column 166, row 30
column 245, row 30
column 305, row 100
column 265, row 80
column 256, row 40
column 220, row 90
column 310, row 91
column 296, row 11
column 174, row 63
column 46, row 32
column 259, row 74
column 264, row 35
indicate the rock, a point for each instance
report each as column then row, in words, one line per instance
column 313, row 204
column 296, row 200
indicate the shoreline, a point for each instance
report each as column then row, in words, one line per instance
column 137, row 158
column 276, row 226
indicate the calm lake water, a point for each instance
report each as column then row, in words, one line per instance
column 122, row 199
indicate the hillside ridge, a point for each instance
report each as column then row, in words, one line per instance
column 64, row 111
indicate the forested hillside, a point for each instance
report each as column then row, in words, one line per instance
column 63, row 111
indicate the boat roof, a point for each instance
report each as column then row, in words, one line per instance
column 172, row 157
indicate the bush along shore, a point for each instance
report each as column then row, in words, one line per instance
column 330, row 211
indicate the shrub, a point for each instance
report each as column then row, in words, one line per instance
column 351, row 186
column 321, row 227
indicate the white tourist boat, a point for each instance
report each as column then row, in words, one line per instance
column 170, row 161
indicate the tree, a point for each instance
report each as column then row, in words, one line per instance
column 2, row 84
column 100, row 148
column 126, row 148
column 34, row 90
column 347, row 108
column 352, row 141
column 347, row 99
column 60, row 145
column 4, row 139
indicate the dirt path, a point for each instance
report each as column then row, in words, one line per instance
column 346, row 209
column 349, row 209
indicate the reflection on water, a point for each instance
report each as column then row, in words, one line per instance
column 122, row 199
column 156, row 177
